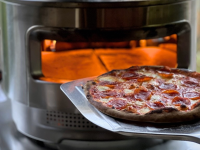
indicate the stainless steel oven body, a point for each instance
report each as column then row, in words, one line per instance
column 40, row 110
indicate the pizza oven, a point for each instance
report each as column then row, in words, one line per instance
column 47, row 43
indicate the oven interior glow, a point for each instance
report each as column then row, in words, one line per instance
column 64, row 61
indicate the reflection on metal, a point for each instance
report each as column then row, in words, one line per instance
column 12, row 139
column 2, row 96
column 77, row 18
column 27, row 25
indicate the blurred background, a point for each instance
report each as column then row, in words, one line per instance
column 198, row 36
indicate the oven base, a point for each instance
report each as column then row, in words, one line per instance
column 9, row 136
column 45, row 125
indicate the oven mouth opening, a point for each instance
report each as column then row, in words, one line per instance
column 66, row 61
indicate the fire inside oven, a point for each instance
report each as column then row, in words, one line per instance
column 65, row 61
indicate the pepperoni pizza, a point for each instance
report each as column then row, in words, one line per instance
column 147, row 94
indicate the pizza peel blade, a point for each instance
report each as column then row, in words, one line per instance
column 181, row 131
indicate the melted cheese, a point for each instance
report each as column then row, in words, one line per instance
column 197, row 89
column 155, row 97
column 191, row 90
column 120, row 80
column 154, row 82
column 126, row 85
column 139, row 103
column 174, row 81
column 145, row 84
column 105, row 100
column 111, row 79
column 178, row 75
column 108, row 78
column 193, row 101
column 144, row 110
column 103, row 88
column 149, row 74
column 127, row 91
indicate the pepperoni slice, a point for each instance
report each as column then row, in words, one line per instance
column 132, row 86
column 105, row 94
column 133, row 68
column 94, row 91
column 165, row 74
column 165, row 68
column 195, row 104
column 114, row 73
column 132, row 109
column 190, row 82
column 181, row 101
column 117, row 104
column 167, row 86
column 164, row 100
column 110, row 93
column 160, row 81
column 129, row 96
column 130, row 75
column 142, row 94
column 155, row 105
column 126, row 85
column 110, row 86
column 151, row 87
column 192, row 95
column 170, row 93
column 144, row 79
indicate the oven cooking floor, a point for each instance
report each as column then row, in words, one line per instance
column 69, row 65
column 11, row 139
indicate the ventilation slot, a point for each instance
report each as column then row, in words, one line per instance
column 68, row 120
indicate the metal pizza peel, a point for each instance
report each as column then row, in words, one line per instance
column 189, row 131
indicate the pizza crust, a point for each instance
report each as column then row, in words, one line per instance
column 163, row 115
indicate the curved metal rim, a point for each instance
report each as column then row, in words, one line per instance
column 95, row 3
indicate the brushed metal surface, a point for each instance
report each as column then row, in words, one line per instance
column 12, row 139
column 32, row 97
column 92, row 3
column 33, row 123
column 19, row 18
column 50, row 96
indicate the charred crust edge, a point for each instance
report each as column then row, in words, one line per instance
column 198, row 105
column 163, row 110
